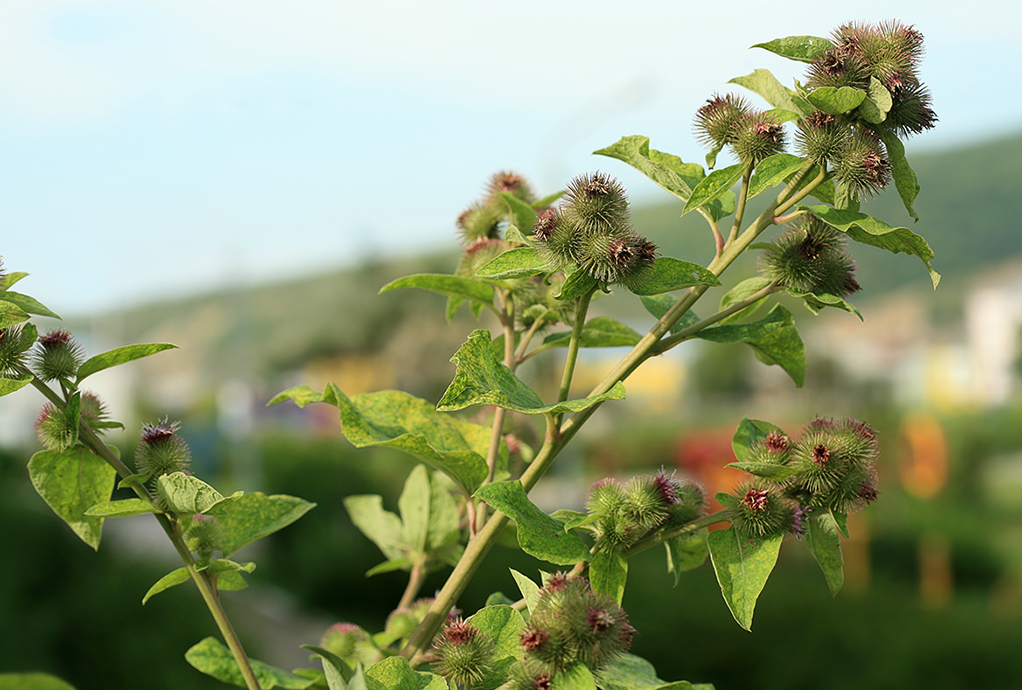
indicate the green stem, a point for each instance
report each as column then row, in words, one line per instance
column 415, row 579
column 743, row 197
column 573, row 345
column 687, row 333
column 668, row 534
column 91, row 440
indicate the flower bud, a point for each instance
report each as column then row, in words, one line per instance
column 480, row 221
column 477, row 254
column 511, row 182
column 691, row 503
column 820, row 137
column 160, row 450
column 204, row 536
column 57, row 357
column 910, row 110
column 761, row 509
column 554, row 239
column 55, row 429
column 719, row 121
column 570, row 623
column 15, row 341
column 862, row 165
column 464, row 654
column 837, row 465
column 647, row 503
column 810, row 258
column 595, row 203
column 760, row 137
column 341, row 639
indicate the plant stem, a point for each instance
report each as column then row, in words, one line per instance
column 669, row 534
column 690, row 332
column 91, row 440
column 415, row 579
column 743, row 196
column 573, row 344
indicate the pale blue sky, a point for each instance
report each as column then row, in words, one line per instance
column 151, row 149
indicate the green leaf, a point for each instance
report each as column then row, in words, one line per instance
column 453, row 303
column 394, row 673
column 539, row 535
column 71, row 482
column 255, row 515
column 382, row 527
column 876, row 233
column 575, row 677
column 608, row 574
column 390, row 566
column 10, row 313
column 877, row 104
column 8, row 386
column 816, row 303
column 301, row 396
column 763, row 83
column 7, row 281
column 125, row 508
column 713, row 186
column 630, row 672
column 395, row 419
column 185, row 494
column 801, row 48
column 528, row 588
column 739, row 292
column 171, row 579
column 659, row 305
column 522, row 215
column 520, row 262
column 774, row 170
column 743, row 565
column 768, row 470
column 414, row 504
column 32, row 681
column 905, row 180
column 666, row 170
column 687, row 552
column 601, row 331
column 211, row 657
column 774, row 339
column 505, row 626
column 669, row 274
column 335, row 669
column 836, row 100
column 120, row 355
column 483, row 380
column 429, row 515
column 548, row 200
column 29, row 304
column 748, row 434
column 823, row 539
column 575, row 285
column 452, row 286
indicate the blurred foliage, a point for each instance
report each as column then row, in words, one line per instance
column 878, row 633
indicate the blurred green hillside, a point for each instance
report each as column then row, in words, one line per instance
column 969, row 209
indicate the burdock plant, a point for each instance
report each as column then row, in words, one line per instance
column 533, row 265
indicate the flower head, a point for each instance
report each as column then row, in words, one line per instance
column 464, row 654
column 160, row 450
column 58, row 356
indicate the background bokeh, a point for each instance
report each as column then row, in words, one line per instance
column 241, row 179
